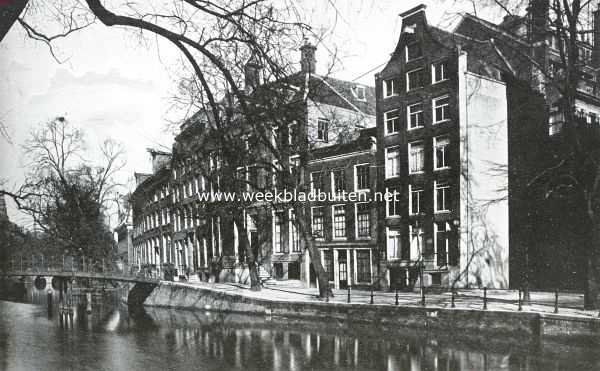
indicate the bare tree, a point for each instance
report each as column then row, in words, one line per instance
column 65, row 196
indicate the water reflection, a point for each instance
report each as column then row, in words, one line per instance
column 111, row 338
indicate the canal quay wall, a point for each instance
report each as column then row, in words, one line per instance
column 520, row 324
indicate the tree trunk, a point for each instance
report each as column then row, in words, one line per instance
column 592, row 274
column 245, row 245
column 313, row 251
column 9, row 13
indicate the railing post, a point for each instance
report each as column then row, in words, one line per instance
column 397, row 296
column 63, row 266
column 42, row 263
column 453, row 305
column 555, row 300
column 484, row 298
column 422, row 294
column 520, row 302
column 21, row 263
column 371, row 293
column 349, row 293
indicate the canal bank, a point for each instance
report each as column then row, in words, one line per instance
column 437, row 315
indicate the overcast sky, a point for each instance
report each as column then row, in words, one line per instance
column 112, row 87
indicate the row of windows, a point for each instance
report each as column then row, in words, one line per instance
column 362, row 179
column 445, row 245
column 362, row 221
column 416, row 157
column 416, row 79
column 442, row 200
column 414, row 115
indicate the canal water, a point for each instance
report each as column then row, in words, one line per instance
column 113, row 338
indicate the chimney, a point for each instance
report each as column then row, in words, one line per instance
column 308, row 61
column 596, row 40
column 252, row 74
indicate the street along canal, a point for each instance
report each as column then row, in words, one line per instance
column 114, row 338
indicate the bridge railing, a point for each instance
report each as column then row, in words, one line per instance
column 61, row 264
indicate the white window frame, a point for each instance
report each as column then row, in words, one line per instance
column 444, row 65
column 418, row 246
column 385, row 87
column 408, row 88
column 406, row 52
column 385, row 121
column 408, row 116
column 435, row 155
column 388, row 174
column 420, row 144
column 290, row 129
column 434, row 107
column 312, row 216
column 391, row 232
column 356, row 222
column 359, row 88
column 356, row 177
column 312, row 181
column 448, row 229
column 325, row 131
column 291, row 227
column 274, row 239
column 420, row 192
column 436, row 187
column 332, row 177
column 333, row 236
column 387, row 206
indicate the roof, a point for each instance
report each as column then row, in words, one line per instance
column 363, row 142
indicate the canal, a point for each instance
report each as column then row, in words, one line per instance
column 113, row 338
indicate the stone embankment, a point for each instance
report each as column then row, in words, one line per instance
column 269, row 302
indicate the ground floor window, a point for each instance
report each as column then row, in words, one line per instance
column 363, row 266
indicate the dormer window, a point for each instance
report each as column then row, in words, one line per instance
column 413, row 51
column 359, row 92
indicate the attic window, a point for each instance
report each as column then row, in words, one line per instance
column 413, row 51
column 359, row 92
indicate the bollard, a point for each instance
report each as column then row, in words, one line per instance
column 371, row 294
column 484, row 298
column 556, row 301
column 520, row 302
column 453, row 305
column 397, row 296
column 49, row 302
column 422, row 296
column 348, row 293
column 88, row 299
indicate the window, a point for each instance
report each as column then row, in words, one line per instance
column 442, row 197
column 323, row 130
column 413, row 51
column 442, row 232
column 363, row 266
column 416, row 242
column 316, row 181
column 359, row 92
column 363, row 222
column 414, row 79
column 416, row 159
column 292, row 133
column 392, row 122
column 294, row 162
column 394, row 244
column 416, row 197
column 337, row 180
column 328, row 264
column 439, row 71
column 339, row 221
column 393, row 202
column 415, row 116
column 441, row 109
column 391, row 87
column 318, row 215
column 362, row 181
column 440, row 152
column 253, row 177
column 294, row 237
column 278, row 233
column 392, row 162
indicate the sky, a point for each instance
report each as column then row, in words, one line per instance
column 112, row 87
